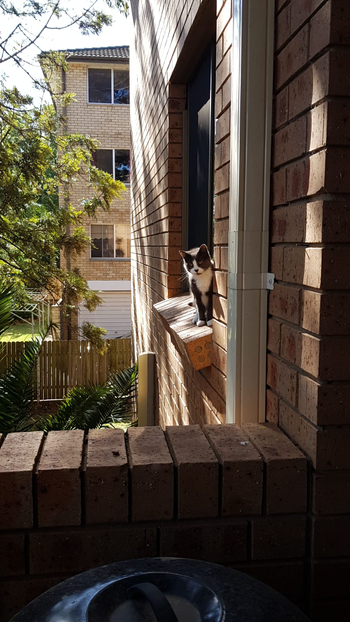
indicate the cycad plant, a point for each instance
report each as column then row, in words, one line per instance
column 85, row 407
column 17, row 383
column 96, row 406
column 5, row 309
column 18, row 391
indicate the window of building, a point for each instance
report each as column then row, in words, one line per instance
column 116, row 162
column 200, row 151
column 122, row 165
column 103, row 159
column 108, row 86
column 103, row 240
column 110, row 241
column 121, row 87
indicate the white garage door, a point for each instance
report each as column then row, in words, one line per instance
column 114, row 314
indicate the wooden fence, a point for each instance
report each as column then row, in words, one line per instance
column 63, row 365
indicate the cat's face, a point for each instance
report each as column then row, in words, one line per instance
column 196, row 260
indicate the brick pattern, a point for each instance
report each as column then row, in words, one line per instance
column 152, row 470
column 242, row 470
column 106, row 477
column 184, row 396
column 195, row 463
column 18, row 459
column 309, row 332
column 308, row 361
column 58, row 479
column 278, row 451
column 146, row 494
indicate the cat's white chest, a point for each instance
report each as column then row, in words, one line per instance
column 203, row 281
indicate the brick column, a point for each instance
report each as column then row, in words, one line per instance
column 309, row 328
column 224, row 29
column 176, row 106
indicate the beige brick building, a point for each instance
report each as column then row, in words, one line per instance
column 99, row 78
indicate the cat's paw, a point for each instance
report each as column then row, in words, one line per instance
column 200, row 323
column 210, row 323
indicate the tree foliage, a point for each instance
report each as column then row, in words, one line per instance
column 39, row 160
column 28, row 20
column 34, row 225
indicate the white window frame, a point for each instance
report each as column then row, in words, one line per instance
column 251, row 119
column 127, row 184
column 114, row 258
column 111, row 103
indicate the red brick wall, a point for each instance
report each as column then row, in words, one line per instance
column 70, row 502
column 185, row 396
column 309, row 325
column 309, row 328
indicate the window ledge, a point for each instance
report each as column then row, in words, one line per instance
column 194, row 341
column 110, row 259
column 106, row 104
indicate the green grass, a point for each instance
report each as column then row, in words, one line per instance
column 20, row 332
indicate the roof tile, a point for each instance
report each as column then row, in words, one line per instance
column 118, row 52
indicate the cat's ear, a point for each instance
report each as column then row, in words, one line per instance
column 182, row 253
column 203, row 248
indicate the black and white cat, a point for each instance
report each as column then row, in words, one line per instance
column 199, row 267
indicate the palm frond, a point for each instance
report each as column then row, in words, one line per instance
column 6, row 318
column 75, row 410
column 117, row 402
column 96, row 406
column 18, row 390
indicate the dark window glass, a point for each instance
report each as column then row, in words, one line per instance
column 200, row 94
column 121, row 87
column 122, row 165
column 100, row 86
column 102, row 239
column 103, row 159
column 96, row 236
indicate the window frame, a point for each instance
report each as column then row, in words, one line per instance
column 114, row 258
column 126, row 183
column 249, row 209
column 192, row 211
column 209, row 51
column 111, row 103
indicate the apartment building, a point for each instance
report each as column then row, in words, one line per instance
column 99, row 78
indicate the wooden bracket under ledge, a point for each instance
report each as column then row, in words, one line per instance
column 194, row 341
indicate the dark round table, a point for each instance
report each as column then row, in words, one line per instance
column 162, row 590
